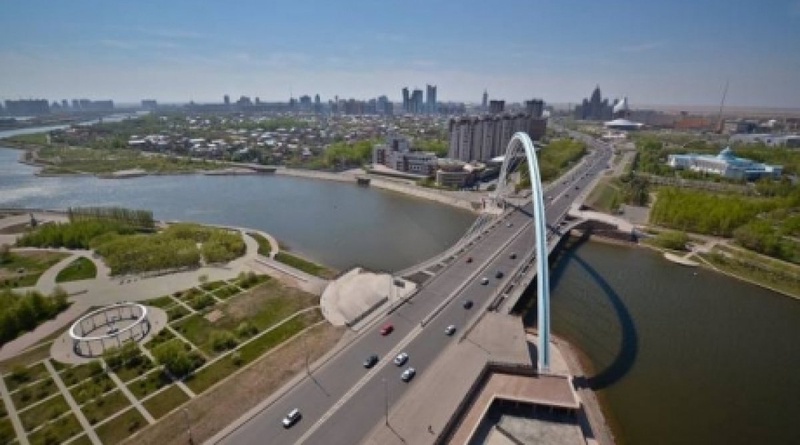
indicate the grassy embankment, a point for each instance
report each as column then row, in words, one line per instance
column 80, row 269
column 304, row 265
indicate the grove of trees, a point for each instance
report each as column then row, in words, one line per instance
column 23, row 312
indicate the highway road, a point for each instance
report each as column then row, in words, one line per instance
column 342, row 401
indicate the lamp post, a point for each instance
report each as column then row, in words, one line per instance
column 188, row 426
column 386, row 398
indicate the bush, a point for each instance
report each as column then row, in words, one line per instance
column 671, row 240
column 222, row 341
column 174, row 358
column 20, row 313
column 202, row 301
column 246, row 329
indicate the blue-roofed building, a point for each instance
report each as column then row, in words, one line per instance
column 725, row 164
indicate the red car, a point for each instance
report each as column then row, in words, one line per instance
column 387, row 329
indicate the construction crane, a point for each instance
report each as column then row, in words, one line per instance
column 720, row 123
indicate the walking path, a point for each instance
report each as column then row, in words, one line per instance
column 12, row 414
column 90, row 433
column 131, row 398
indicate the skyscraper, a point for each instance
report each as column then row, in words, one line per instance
column 497, row 106
column 430, row 99
column 534, row 107
column 416, row 102
column 406, row 100
column 595, row 108
column 227, row 100
column 485, row 103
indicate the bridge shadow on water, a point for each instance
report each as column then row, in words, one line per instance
column 629, row 348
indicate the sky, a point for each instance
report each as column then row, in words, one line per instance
column 678, row 52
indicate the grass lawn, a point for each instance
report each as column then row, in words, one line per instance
column 188, row 295
column 304, row 265
column 80, row 269
column 7, row 433
column 149, row 384
column 226, row 292
column 57, row 431
column 248, row 283
column 176, row 313
column 81, row 440
column 33, row 355
column 25, row 268
column 165, row 401
column 92, row 388
column 103, row 407
column 127, row 372
column 39, row 414
column 33, row 393
column 213, row 285
column 264, row 248
column 221, row 369
column 117, row 429
column 21, row 376
column 162, row 302
column 78, row 373
column 163, row 336
column 604, row 197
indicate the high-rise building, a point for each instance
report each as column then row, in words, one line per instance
column 227, row 100
column 485, row 102
column 497, row 106
column 64, row 104
column 149, row 104
column 534, row 107
column 430, row 99
column 406, row 101
column 595, row 108
column 483, row 138
column 384, row 107
column 416, row 102
column 27, row 107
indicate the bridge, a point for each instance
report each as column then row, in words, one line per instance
column 490, row 266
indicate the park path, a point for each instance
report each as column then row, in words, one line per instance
column 73, row 405
column 13, row 415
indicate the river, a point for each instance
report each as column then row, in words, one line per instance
column 338, row 224
column 681, row 355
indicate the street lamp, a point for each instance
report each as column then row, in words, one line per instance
column 386, row 394
column 305, row 346
column 188, row 426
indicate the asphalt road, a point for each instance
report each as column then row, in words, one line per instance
column 342, row 401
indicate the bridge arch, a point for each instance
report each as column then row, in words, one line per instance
column 520, row 143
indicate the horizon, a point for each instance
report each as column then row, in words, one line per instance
column 676, row 55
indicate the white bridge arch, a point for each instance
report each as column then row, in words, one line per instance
column 519, row 143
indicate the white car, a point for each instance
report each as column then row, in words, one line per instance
column 450, row 330
column 291, row 418
column 408, row 374
column 401, row 359
column 484, row 281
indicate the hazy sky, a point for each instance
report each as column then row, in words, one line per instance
column 677, row 52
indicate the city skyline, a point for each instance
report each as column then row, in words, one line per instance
column 673, row 54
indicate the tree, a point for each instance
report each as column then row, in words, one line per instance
column 175, row 359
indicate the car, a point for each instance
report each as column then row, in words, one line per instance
column 387, row 329
column 513, row 256
column 401, row 359
column 469, row 259
column 450, row 330
column 484, row 281
column 468, row 304
column 371, row 361
column 408, row 374
column 499, row 274
column 291, row 418
column 509, row 224
column 576, row 187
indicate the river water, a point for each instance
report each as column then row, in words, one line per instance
column 337, row 224
column 680, row 355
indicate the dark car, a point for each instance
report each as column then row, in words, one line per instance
column 468, row 304
column 387, row 329
column 499, row 274
column 469, row 259
column 513, row 256
column 371, row 361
